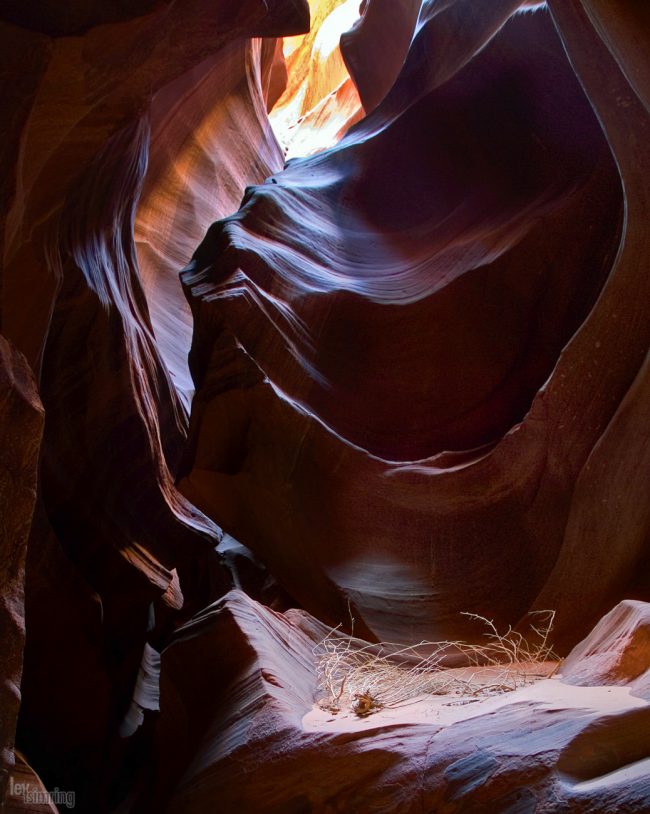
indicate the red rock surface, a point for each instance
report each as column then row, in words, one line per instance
column 115, row 546
column 420, row 364
column 399, row 364
column 376, row 48
column 616, row 652
column 263, row 746
column 192, row 180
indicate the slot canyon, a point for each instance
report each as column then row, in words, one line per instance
column 325, row 406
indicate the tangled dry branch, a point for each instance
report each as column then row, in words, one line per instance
column 366, row 677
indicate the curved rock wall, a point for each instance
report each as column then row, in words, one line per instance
column 210, row 139
column 404, row 348
column 115, row 550
column 320, row 101
column 376, row 47
column 420, row 362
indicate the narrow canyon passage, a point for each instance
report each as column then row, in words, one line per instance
column 325, row 406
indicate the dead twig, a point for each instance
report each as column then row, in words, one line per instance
column 367, row 677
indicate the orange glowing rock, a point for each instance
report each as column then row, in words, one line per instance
column 320, row 102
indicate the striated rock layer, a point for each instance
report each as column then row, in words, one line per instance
column 422, row 383
column 419, row 354
column 210, row 139
column 115, row 551
column 242, row 728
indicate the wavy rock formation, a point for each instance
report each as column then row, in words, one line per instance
column 211, row 138
column 401, row 367
column 115, row 551
column 418, row 384
column 264, row 746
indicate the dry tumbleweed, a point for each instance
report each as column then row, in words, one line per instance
column 366, row 677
